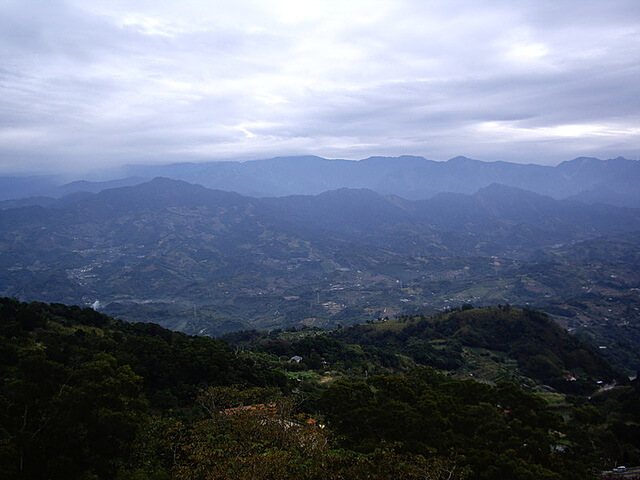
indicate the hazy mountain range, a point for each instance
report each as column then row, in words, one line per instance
column 209, row 261
column 588, row 180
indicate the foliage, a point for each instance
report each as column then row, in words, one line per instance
column 268, row 440
column 84, row 396
column 74, row 385
column 544, row 350
column 497, row 432
column 68, row 421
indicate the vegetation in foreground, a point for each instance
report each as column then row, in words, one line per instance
column 86, row 396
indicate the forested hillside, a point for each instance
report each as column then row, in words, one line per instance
column 86, row 396
column 543, row 350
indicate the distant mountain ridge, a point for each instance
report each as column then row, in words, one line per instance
column 410, row 177
column 585, row 179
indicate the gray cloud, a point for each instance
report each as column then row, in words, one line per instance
column 107, row 82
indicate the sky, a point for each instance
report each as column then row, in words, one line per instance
column 90, row 84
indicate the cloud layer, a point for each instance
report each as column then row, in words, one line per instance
column 106, row 82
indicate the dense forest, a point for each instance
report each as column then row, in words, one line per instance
column 86, row 396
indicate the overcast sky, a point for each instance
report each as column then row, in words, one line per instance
column 93, row 83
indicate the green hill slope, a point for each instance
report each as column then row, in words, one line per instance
column 86, row 396
column 543, row 350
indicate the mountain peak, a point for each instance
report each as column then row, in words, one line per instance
column 581, row 161
column 391, row 159
column 462, row 159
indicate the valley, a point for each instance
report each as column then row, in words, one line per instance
column 208, row 262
